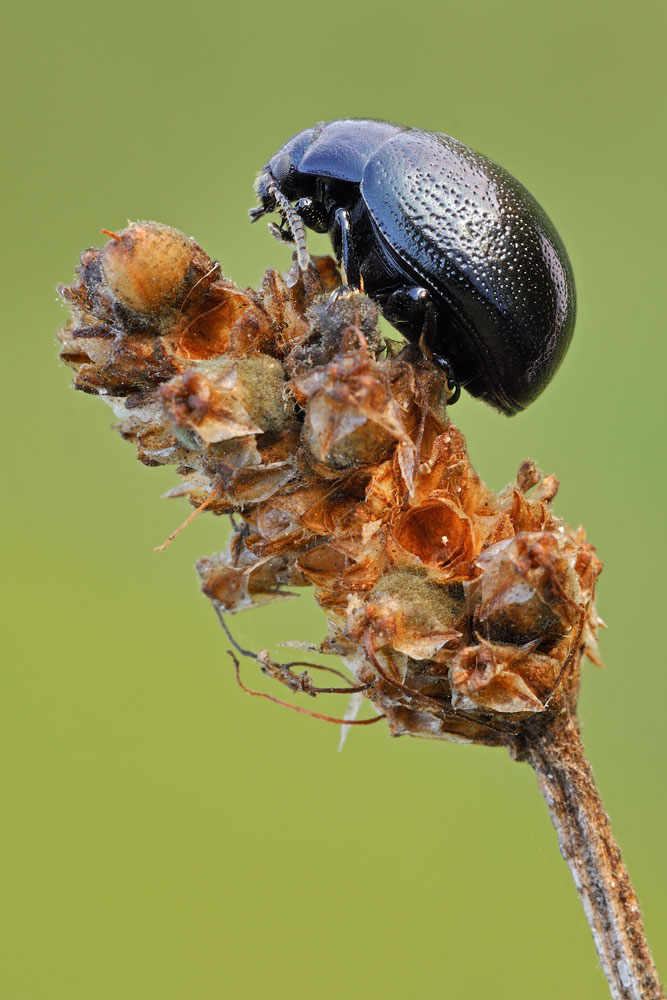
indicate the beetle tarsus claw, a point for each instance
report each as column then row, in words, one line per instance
column 453, row 386
column 341, row 292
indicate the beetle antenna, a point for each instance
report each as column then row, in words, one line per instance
column 295, row 222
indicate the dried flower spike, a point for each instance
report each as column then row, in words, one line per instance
column 460, row 613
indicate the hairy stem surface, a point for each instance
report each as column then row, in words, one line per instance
column 588, row 845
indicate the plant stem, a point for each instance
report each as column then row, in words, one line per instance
column 587, row 844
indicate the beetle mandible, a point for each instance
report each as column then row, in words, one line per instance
column 456, row 252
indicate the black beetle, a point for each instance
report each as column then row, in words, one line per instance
column 456, row 252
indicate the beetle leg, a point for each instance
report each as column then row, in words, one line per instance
column 453, row 387
column 340, row 292
column 411, row 311
column 342, row 232
column 412, row 306
column 313, row 213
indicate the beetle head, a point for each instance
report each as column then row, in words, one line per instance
column 264, row 187
column 283, row 171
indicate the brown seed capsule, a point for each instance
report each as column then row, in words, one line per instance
column 228, row 399
column 149, row 267
column 437, row 534
column 529, row 589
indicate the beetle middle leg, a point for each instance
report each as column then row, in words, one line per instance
column 411, row 310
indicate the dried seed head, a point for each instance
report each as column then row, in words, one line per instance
column 464, row 611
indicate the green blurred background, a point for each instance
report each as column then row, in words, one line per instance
column 164, row 836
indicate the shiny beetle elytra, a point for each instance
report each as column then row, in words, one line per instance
column 458, row 255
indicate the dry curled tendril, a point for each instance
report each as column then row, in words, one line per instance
column 459, row 613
